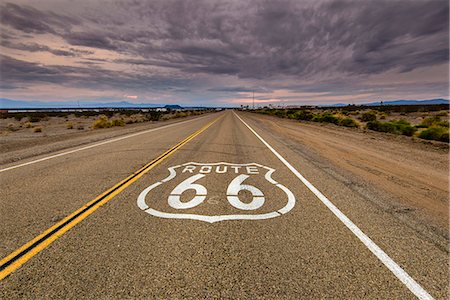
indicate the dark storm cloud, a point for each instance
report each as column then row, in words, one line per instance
column 90, row 39
column 255, row 40
column 31, row 20
column 150, row 62
column 20, row 72
column 234, row 89
column 240, row 89
column 33, row 47
column 263, row 39
column 398, row 34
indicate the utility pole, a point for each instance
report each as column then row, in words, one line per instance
column 253, row 99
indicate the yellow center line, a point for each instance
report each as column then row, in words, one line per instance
column 40, row 242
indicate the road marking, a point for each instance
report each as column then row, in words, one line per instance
column 30, row 249
column 236, row 186
column 96, row 145
column 401, row 274
column 188, row 184
column 232, row 192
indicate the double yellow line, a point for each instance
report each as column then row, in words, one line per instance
column 30, row 249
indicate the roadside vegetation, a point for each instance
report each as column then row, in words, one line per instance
column 103, row 121
column 52, row 122
column 402, row 120
column 307, row 115
column 434, row 128
column 396, row 127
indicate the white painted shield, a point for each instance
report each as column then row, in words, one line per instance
column 233, row 189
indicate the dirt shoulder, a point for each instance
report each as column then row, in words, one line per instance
column 16, row 147
column 411, row 173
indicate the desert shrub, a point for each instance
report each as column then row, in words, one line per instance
column 280, row 113
column 27, row 125
column 348, row 122
column 102, row 122
column 35, row 118
column 304, row 115
column 380, row 126
column 330, row 118
column 382, row 115
column 80, row 127
column 326, row 118
column 368, row 116
column 12, row 127
column 444, row 137
column 429, row 121
column 443, row 113
column 435, row 133
column 38, row 116
column 69, row 126
column 290, row 112
column 317, row 118
column 406, row 129
column 153, row 115
column 374, row 125
column 377, row 126
column 291, row 115
column 37, row 129
column 264, row 111
column 433, row 121
column 166, row 116
column 180, row 115
column 397, row 127
column 443, row 124
column 118, row 122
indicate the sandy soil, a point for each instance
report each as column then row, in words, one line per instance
column 23, row 142
column 414, row 172
column 121, row 252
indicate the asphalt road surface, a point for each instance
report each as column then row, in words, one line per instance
column 217, row 207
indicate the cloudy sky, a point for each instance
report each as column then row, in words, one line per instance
column 219, row 52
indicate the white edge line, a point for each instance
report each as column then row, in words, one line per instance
column 401, row 274
column 97, row 144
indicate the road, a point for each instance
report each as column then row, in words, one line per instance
column 221, row 206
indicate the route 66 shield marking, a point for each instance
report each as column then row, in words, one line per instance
column 196, row 171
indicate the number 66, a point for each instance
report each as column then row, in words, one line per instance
column 232, row 193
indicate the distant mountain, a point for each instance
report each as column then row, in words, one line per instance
column 396, row 102
column 411, row 102
column 12, row 104
column 173, row 107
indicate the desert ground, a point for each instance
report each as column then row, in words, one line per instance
column 295, row 243
column 32, row 134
